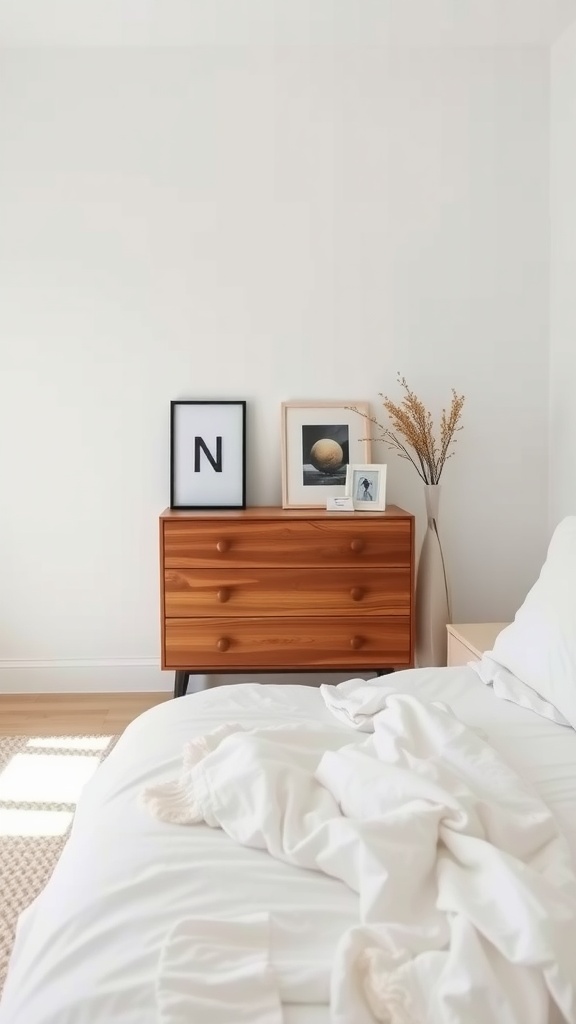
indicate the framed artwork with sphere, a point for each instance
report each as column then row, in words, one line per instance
column 319, row 441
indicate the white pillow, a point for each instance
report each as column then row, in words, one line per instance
column 509, row 687
column 539, row 647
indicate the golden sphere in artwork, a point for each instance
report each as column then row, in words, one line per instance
column 326, row 455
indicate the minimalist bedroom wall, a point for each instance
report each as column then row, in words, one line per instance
column 563, row 278
column 269, row 223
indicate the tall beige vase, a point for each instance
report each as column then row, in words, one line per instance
column 432, row 597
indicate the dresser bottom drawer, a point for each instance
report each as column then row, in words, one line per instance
column 210, row 645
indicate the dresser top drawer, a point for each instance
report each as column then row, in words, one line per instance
column 311, row 542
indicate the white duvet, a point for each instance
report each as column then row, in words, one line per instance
column 124, row 932
column 467, row 893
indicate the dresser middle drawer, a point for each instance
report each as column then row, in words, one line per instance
column 226, row 592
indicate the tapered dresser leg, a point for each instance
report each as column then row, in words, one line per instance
column 181, row 678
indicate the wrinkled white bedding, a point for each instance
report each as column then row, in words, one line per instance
column 467, row 892
column 88, row 951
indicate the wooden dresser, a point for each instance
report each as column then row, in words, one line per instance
column 271, row 589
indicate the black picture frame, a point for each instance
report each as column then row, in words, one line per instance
column 207, row 454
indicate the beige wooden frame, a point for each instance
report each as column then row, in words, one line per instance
column 344, row 418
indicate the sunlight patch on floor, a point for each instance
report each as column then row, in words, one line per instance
column 69, row 742
column 15, row 822
column 46, row 778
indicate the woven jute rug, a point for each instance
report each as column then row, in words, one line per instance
column 27, row 860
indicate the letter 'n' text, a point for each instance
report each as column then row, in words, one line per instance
column 201, row 446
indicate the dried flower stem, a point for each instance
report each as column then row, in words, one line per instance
column 412, row 422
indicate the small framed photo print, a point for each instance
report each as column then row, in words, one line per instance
column 319, row 440
column 366, row 485
column 207, row 454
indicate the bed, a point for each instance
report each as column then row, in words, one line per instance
column 92, row 948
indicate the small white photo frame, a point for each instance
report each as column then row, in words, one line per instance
column 366, row 485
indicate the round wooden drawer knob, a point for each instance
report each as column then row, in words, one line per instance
column 356, row 593
column 223, row 595
column 223, row 644
column 356, row 545
column 222, row 546
column 356, row 643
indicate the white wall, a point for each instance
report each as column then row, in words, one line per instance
column 265, row 223
column 563, row 279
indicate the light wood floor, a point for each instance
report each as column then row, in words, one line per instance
column 72, row 714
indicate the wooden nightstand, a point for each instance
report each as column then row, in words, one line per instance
column 276, row 590
column 468, row 641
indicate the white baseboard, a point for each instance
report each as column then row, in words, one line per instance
column 122, row 675
column 84, row 675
